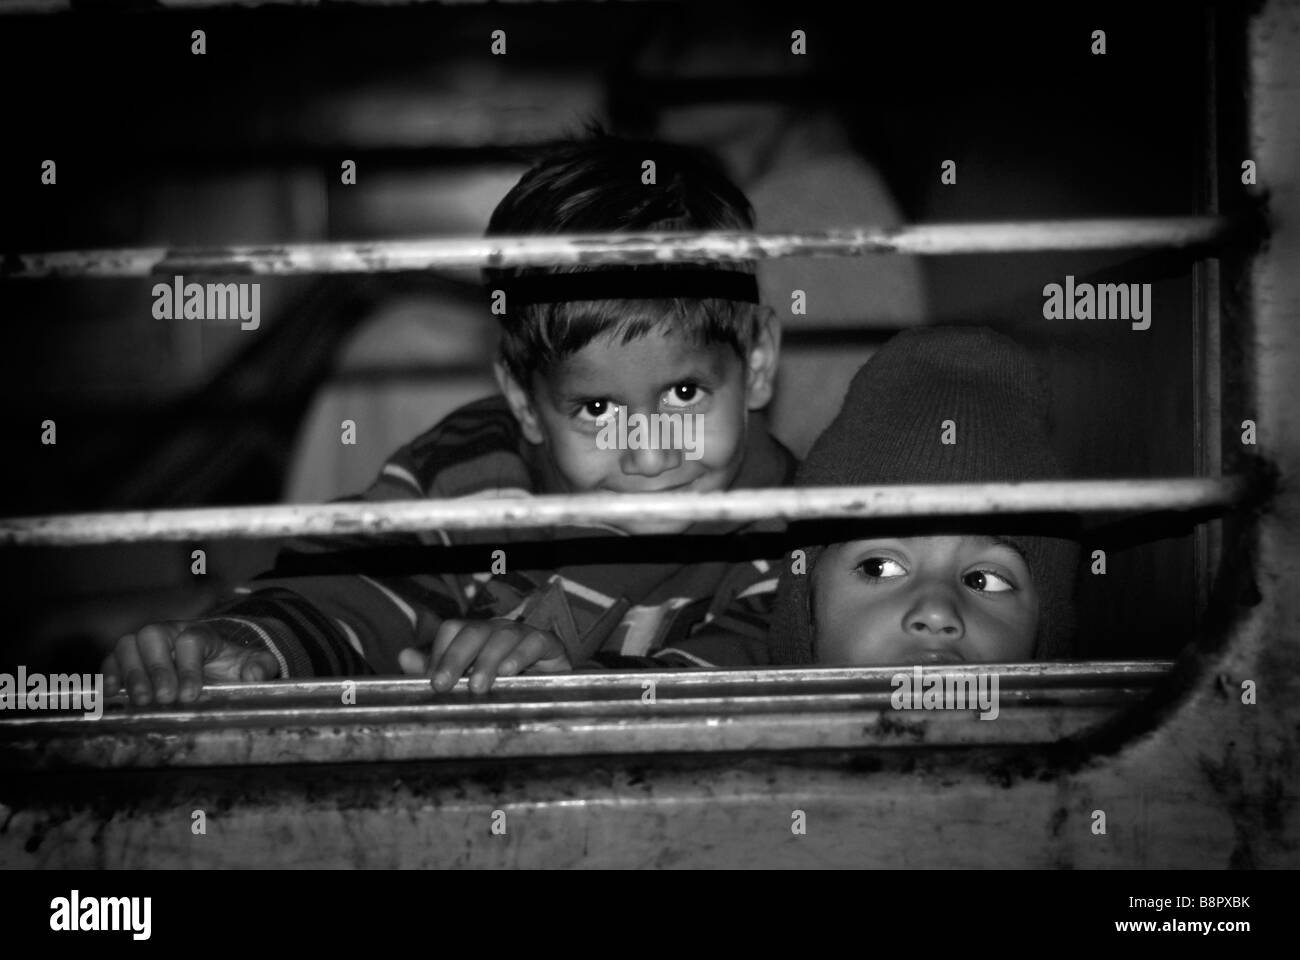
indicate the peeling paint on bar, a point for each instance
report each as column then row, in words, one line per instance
column 469, row 252
column 408, row 516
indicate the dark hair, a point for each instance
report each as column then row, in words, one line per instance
column 593, row 185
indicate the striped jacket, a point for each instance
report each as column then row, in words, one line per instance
column 345, row 606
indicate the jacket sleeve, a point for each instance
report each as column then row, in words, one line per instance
column 320, row 618
column 732, row 633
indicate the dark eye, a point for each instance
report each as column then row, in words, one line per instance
column 881, row 568
column 682, row 395
column 986, row 581
column 595, row 410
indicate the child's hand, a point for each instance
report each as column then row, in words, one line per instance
column 160, row 660
column 494, row 648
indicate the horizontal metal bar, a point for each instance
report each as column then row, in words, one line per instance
column 620, row 248
column 263, row 522
column 510, row 712
column 579, row 714
column 586, row 687
column 669, row 683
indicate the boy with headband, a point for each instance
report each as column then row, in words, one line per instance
column 584, row 349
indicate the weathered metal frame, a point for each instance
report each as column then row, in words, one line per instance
column 371, row 720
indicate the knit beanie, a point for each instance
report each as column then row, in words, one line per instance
column 889, row 431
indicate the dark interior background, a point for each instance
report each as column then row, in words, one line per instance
column 156, row 146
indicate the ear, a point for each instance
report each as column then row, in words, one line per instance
column 760, row 370
column 521, row 404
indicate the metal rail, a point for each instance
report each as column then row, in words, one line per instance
column 576, row 715
column 621, row 248
column 398, row 516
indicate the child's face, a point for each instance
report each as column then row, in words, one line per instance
column 944, row 599
column 571, row 402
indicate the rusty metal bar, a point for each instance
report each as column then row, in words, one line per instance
column 577, row 715
column 407, row 516
column 620, row 248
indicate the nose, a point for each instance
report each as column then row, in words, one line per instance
column 643, row 460
column 649, row 463
column 933, row 616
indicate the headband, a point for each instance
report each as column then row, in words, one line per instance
column 644, row 283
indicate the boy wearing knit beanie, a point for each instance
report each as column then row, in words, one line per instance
column 934, row 405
